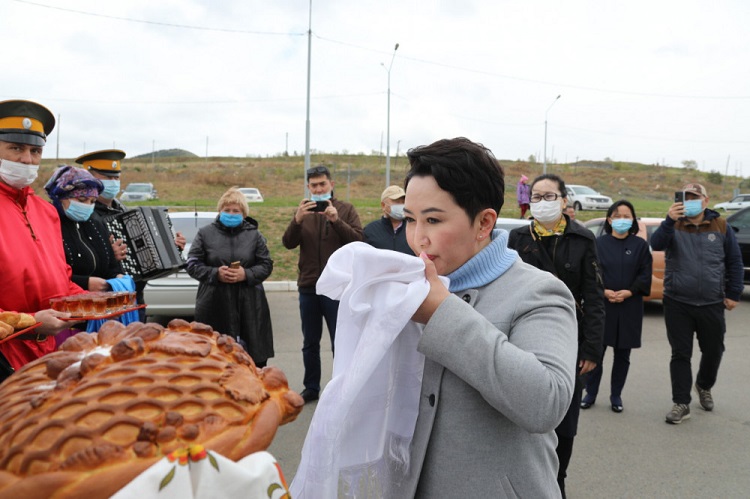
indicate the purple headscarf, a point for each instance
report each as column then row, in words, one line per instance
column 71, row 182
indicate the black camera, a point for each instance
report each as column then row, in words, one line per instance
column 320, row 206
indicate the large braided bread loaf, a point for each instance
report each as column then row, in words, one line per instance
column 87, row 419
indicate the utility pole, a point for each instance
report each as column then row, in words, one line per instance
column 307, row 121
column 57, row 154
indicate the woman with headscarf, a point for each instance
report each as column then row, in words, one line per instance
column 73, row 192
column 523, row 194
column 230, row 259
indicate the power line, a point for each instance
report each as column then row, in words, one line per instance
column 401, row 56
column 541, row 82
column 157, row 23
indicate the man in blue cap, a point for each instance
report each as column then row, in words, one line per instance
column 32, row 258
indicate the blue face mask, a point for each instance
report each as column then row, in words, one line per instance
column 622, row 225
column 79, row 212
column 693, row 207
column 320, row 197
column 230, row 219
column 111, row 188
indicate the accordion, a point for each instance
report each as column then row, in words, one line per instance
column 147, row 232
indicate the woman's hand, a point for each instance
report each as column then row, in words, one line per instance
column 438, row 293
column 98, row 284
column 231, row 276
column 586, row 366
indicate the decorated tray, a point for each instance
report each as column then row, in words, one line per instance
column 20, row 332
column 93, row 317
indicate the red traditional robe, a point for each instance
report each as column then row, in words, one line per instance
column 32, row 265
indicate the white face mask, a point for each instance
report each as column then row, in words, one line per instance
column 18, row 175
column 546, row 211
column 397, row 211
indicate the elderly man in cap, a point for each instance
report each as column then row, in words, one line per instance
column 32, row 258
column 388, row 232
column 320, row 226
column 703, row 277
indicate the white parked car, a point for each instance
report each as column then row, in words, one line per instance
column 252, row 194
column 511, row 223
column 737, row 203
column 139, row 192
column 582, row 197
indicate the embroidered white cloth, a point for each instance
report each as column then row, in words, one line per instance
column 365, row 418
column 207, row 475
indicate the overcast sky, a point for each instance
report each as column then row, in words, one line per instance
column 647, row 81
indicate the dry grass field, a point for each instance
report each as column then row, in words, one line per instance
column 196, row 183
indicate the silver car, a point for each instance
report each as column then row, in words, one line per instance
column 139, row 192
column 585, row 198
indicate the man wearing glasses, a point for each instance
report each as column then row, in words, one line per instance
column 32, row 258
column 321, row 225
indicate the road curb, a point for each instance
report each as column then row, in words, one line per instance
column 279, row 286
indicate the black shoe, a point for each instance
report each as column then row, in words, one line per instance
column 587, row 401
column 616, row 404
column 309, row 395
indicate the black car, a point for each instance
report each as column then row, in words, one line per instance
column 741, row 223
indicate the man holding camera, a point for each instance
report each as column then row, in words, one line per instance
column 703, row 277
column 321, row 225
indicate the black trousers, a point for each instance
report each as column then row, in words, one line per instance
column 707, row 322
column 620, row 368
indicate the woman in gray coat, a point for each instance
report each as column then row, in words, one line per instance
column 499, row 343
column 231, row 260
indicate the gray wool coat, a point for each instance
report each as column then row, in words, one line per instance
column 498, row 378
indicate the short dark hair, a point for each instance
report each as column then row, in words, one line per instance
column 555, row 178
column 613, row 208
column 466, row 170
column 318, row 171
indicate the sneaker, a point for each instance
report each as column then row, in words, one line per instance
column 678, row 413
column 309, row 395
column 706, row 400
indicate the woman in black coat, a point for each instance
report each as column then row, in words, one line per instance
column 568, row 250
column 73, row 192
column 231, row 260
column 626, row 263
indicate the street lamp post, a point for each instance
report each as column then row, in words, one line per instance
column 545, row 133
column 388, row 125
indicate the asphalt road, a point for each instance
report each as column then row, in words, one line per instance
column 631, row 454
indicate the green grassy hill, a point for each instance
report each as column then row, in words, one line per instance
column 186, row 183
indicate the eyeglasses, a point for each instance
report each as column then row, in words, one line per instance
column 548, row 196
column 317, row 170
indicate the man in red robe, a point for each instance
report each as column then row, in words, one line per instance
column 32, row 261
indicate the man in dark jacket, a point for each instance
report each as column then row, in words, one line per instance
column 106, row 165
column 320, row 226
column 703, row 277
column 389, row 231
